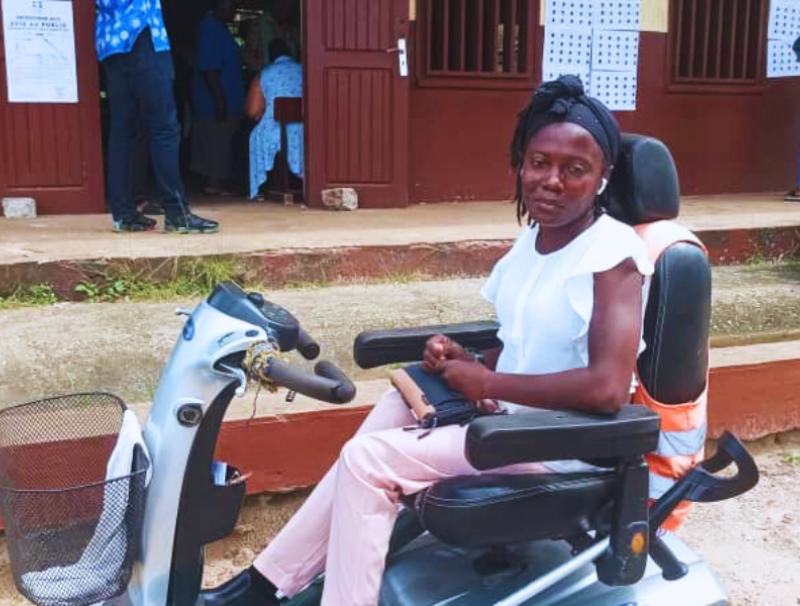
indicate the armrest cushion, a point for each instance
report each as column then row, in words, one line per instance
column 546, row 435
column 378, row 347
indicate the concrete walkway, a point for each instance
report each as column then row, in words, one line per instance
column 250, row 227
column 123, row 346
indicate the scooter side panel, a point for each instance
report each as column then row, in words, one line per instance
column 430, row 573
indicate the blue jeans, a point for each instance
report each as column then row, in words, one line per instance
column 140, row 86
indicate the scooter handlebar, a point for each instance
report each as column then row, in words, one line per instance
column 328, row 383
column 307, row 346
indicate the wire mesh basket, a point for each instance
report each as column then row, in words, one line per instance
column 73, row 532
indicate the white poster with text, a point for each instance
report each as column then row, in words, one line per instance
column 40, row 51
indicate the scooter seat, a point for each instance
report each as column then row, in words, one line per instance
column 493, row 509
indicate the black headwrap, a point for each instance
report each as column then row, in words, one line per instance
column 564, row 100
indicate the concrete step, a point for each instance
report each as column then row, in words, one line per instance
column 122, row 347
column 276, row 245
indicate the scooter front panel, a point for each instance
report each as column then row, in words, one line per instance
column 189, row 377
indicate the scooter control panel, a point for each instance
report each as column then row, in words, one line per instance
column 279, row 324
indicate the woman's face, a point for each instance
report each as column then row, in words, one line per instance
column 561, row 173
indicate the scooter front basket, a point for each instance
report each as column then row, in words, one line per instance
column 73, row 528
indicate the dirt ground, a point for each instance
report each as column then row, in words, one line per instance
column 753, row 542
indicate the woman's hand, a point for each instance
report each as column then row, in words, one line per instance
column 440, row 348
column 467, row 377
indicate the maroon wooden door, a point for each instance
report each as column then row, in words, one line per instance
column 53, row 152
column 356, row 101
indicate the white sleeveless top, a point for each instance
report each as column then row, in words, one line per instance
column 544, row 302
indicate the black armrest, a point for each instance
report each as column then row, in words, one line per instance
column 378, row 347
column 545, row 435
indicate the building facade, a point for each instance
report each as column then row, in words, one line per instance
column 414, row 101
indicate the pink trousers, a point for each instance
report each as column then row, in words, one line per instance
column 345, row 525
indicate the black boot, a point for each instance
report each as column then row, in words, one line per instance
column 248, row 588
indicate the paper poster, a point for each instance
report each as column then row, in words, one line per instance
column 40, row 51
column 784, row 19
column 552, row 72
column 616, row 89
column 569, row 13
column 616, row 14
column 615, row 50
column 567, row 46
column 598, row 41
column 781, row 60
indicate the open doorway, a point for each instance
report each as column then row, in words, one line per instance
column 219, row 151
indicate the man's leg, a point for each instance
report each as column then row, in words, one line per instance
column 122, row 105
column 153, row 88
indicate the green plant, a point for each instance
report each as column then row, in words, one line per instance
column 88, row 289
column 41, row 294
column 115, row 290
column 792, row 458
column 36, row 294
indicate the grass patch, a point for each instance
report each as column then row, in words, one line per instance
column 792, row 458
column 36, row 294
column 182, row 278
column 187, row 278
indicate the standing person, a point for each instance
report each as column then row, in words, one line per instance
column 218, row 98
column 568, row 297
column 793, row 195
column 133, row 47
column 283, row 78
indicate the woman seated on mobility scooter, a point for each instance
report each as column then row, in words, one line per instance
column 568, row 297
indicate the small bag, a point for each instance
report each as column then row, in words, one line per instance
column 431, row 400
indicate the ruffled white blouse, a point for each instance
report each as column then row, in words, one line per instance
column 544, row 302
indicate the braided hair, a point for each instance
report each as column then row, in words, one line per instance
column 563, row 100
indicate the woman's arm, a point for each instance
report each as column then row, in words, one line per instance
column 604, row 386
column 255, row 105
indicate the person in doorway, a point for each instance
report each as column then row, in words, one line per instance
column 283, row 78
column 133, row 47
column 793, row 195
column 218, row 98
column 568, row 297
column 280, row 20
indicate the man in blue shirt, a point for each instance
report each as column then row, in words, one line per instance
column 133, row 47
column 217, row 97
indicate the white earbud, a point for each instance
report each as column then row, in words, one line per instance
column 602, row 186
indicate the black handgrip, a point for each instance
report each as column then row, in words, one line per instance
column 329, row 370
column 329, row 384
column 307, row 346
column 700, row 485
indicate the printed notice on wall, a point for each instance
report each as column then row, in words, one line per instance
column 40, row 51
column 783, row 29
column 597, row 41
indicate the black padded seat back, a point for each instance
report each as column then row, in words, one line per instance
column 644, row 188
column 644, row 184
column 674, row 367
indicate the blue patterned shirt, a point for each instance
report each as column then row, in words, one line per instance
column 119, row 23
column 284, row 78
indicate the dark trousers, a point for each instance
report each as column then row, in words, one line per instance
column 140, row 92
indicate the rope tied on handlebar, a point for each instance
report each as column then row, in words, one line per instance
column 257, row 362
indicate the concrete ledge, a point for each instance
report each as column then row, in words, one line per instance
column 755, row 391
column 279, row 267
